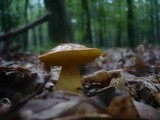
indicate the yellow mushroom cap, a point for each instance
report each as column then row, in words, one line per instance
column 69, row 53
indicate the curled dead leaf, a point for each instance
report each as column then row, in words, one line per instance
column 102, row 76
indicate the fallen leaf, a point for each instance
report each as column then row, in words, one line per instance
column 16, row 79
column 146, row 112
column 102, row 76
column 122, row 107
column 58, row 104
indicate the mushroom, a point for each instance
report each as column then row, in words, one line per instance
column 69, row 56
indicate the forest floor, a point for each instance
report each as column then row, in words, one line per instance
column 123, row 82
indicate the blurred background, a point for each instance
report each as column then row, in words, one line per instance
column 38, row 25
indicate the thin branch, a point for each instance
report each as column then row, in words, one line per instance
column 13, row 33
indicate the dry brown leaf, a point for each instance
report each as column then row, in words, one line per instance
column 122, row 108
column 140, row 68
column 157, row 99
column 102, row 76
column 120, row 84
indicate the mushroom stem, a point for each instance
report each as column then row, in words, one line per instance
column 69, row 79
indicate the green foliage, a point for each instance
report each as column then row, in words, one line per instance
column 108, row 22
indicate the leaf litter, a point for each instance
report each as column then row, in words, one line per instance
column 123, row 82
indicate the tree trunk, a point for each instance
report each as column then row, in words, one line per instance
column 5, row 18
column 157, row 21
column 130, row 23
column 100, row 38
column 101, row 24
column 88, row 33
column 152, row 22
column 34, row 37
column 118, row 37
column 25, row 42
column 40, row 34
column 59, row 23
